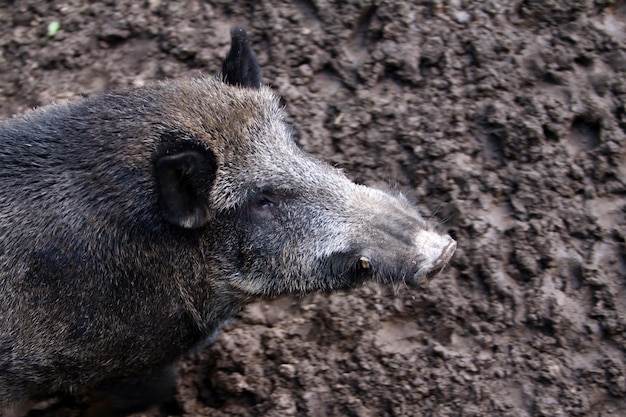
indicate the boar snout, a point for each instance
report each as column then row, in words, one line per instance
column 415, row 265
column 438, row 250
column 396, row 244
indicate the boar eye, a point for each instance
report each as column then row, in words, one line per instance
column 262, row 206
column 264, row 202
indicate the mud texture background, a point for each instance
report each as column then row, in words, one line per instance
column 506, row 120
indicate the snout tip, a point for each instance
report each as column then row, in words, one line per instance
column 446, row 255
column 440, row 262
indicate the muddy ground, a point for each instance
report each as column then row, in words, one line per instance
column 506, row 120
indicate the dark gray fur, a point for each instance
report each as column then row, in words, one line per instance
column 135, row 223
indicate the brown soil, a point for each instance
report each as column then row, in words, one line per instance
column 505, row 120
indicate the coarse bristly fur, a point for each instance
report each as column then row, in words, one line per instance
column 135, row 223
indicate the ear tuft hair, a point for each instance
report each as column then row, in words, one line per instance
column 240, row 67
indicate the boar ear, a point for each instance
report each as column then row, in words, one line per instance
column 240, row 67
column 184, row 181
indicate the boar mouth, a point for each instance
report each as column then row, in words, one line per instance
column 361, row 271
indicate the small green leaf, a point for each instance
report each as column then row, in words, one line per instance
column 53, row 28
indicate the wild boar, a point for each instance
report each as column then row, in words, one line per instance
column 135, row 223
